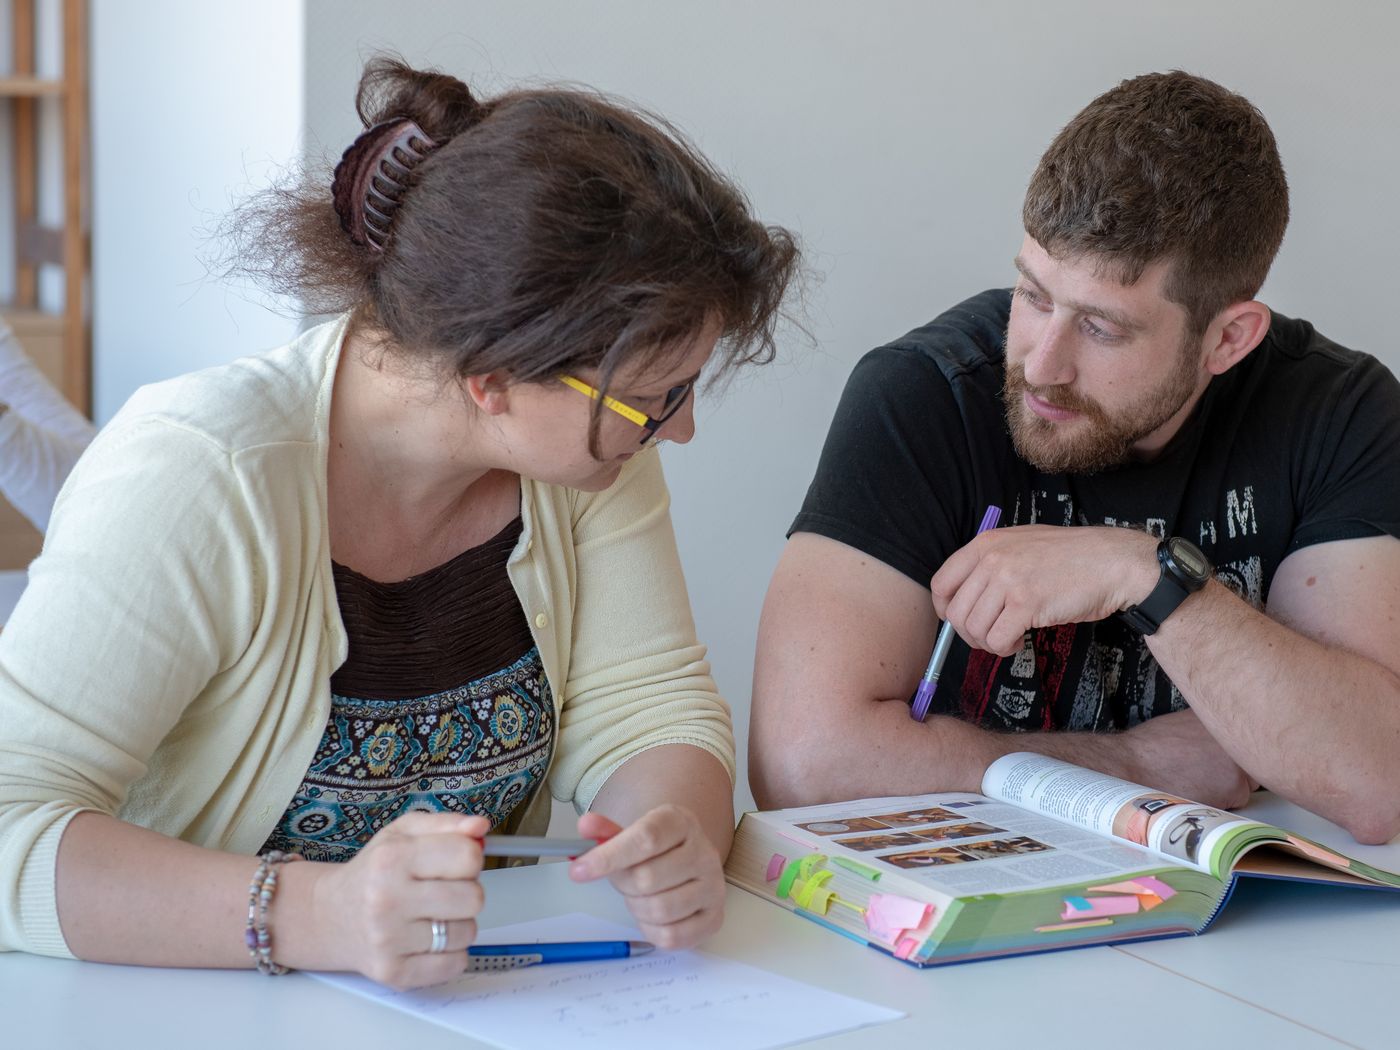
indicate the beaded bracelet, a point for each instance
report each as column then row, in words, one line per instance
column 258, row 935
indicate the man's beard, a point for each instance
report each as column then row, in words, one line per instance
column 1104, row 440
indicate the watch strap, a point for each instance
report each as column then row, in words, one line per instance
column 1147, row 616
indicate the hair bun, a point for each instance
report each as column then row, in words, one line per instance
column 372, row 177
column 441, row 105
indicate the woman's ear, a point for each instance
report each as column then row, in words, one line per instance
column 1236, row 331
column 489, row 392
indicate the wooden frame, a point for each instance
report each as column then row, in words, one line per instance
column 37, row 245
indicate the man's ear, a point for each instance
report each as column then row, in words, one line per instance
column 489, row 392
column 1236, row 331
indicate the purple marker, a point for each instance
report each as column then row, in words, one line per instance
column 928, row 684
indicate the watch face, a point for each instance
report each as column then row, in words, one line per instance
column 1188, row 558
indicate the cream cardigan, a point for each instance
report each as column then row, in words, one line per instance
column 170, row 660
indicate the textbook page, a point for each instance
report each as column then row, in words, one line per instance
column 955, row 844
column 1182, row 830
column 662, row 999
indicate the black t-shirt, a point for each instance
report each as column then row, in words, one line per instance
column 1297, row 444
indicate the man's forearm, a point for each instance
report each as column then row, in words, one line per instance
column 1313, row 722
column 879, row 750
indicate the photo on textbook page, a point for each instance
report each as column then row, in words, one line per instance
column 870, row 843
column 957, row 831
column 927, row 858
column 911, row 817
column 1135, row 819
column 1188, row 832
column 844, row 826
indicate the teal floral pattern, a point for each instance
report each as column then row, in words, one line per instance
column 481, row 748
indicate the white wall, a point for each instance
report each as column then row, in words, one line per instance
column 896, row 137
column 193, row 106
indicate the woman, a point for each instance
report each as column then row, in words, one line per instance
column 363, row 597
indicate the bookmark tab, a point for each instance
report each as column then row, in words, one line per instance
column 775, row 867
column 1098, row 907
column 887, row 915
column 848, row 905
column 905, row 948
column 788, row 877
column 811, row 897
column 865, row 871
column 1156, row 886
column 809, row 864
column 1142, row 885
column 1073, row 925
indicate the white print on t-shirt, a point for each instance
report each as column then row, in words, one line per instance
column 1241, row 515
column 1245, row 578
column 1241, row 512
column 1098, row 680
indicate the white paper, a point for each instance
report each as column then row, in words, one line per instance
column 662, row 999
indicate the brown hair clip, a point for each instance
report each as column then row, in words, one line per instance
column 372, row 177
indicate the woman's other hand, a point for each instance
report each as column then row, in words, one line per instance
column 665, row 866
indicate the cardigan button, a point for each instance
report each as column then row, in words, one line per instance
column 541, row 621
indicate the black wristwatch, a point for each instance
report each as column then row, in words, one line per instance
column 1185, row 571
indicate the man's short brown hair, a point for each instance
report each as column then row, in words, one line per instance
column 1166, row 166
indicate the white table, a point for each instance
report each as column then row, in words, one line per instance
column 1286, row 966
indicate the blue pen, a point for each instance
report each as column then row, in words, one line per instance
column 929, row 683
column 512, row 956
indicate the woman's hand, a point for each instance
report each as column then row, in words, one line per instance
column 377, row 911
column 665, row 866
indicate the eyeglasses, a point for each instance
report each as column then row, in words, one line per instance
column 675, row 398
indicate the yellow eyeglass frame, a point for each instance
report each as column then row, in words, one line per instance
column 625, row 411
column 649, row 424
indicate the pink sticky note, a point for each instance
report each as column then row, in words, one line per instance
column 1152, row 884
column 887, row 914
column 1145, row 884
column 905, row 948
column 1102, row 907
column 775, row 867
column 1120, row 887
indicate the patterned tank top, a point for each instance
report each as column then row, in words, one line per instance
column 441, row 706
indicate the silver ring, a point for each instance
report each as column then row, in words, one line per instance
column 439, row 944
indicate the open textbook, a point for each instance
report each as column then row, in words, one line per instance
column 1051, row 855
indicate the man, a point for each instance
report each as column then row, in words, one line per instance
column 1196, row 581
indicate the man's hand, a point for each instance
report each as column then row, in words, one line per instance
column 1176, row 753
column 1007, row 581
column 666, row 867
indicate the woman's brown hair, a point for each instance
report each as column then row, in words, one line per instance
column 549, row 230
